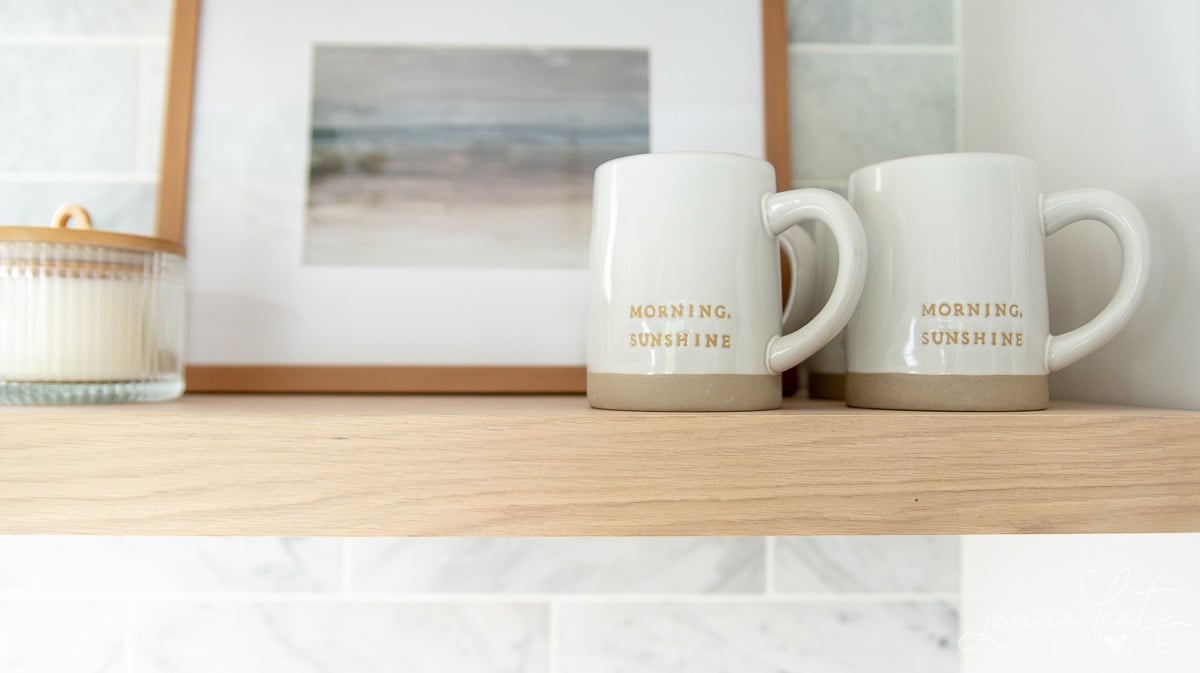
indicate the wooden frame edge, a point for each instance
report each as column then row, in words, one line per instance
column 776, row 101
column 171, row 210
column 385, row 379
column 177, row 121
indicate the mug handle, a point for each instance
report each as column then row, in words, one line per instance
column 785, row 210
column 1123, row 218
column 801, row 252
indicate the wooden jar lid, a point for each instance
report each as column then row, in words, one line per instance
column 59, row 232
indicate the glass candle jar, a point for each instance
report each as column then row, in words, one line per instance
column 89, row 316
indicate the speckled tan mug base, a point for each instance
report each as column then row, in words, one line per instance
column 826, row 386
column 947, row 392
column 684, row 392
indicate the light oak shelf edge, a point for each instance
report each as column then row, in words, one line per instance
column 306, row 465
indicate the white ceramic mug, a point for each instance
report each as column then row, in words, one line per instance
column 685, row 295
column 955, row 315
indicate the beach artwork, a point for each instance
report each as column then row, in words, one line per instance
column 465, row 156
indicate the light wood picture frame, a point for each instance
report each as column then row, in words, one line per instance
column 339, row 378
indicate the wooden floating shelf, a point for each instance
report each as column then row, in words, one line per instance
column 532, row 466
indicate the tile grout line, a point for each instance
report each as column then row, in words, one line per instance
column 466, row 598
column 769, row 565
column 867, row 48
column 962, row 592
column 819, row 182
column 90, row 177
column 130, row 636
column 959, row 112
column 347, row 566
column 139, row 83
column 552, row 638
column 83, row 41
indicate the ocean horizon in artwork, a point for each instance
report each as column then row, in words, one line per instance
column 465, row 156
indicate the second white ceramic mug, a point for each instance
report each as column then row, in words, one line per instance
column 955, row 313
column 684, row 305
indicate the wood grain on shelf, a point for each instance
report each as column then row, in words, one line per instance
column 533, row 466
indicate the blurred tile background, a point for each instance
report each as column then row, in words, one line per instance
column 879, row 564
column 871, row 80
column 58, row 635
column 85, row 18
column 337, row 636
column 83, row 84
column 850, row 110
column 683, row 565
column 276, row 605
column 169, row 565
column 759, row 637
column 871, row 21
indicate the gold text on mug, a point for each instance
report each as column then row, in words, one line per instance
column 717, row 311
column 679, row 340
column 970, row 310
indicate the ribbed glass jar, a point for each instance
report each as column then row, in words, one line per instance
column 84, row 323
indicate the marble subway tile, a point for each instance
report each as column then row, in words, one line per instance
column 758, row 637
column 124, row 206
column 880, row 564
column 85, row 17
column 68, row 108
column 850, row 110
column 63, row 636
column 871, row 21
column 98, row 564
column 342, row 637
column 559, row 565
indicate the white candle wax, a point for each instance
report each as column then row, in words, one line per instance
column 66, row 329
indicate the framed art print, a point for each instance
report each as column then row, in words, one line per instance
column 396, row 196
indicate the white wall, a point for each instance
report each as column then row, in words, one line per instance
column 1103, row 93
column 1094, row 603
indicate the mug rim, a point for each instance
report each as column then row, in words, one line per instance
column 946, row 157
column 710, row 154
